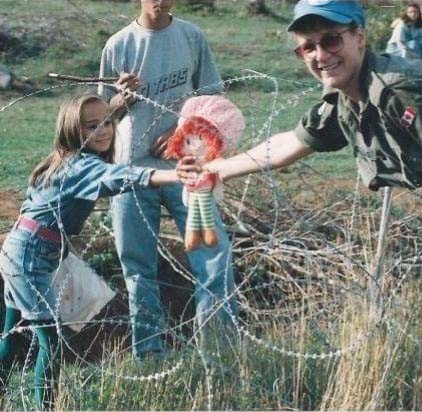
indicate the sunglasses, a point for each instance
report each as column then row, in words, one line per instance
column 330, row 42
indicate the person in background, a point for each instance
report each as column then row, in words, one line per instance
column 164, row 59
column 406, row 40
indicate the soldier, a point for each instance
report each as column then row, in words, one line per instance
column 371, row 102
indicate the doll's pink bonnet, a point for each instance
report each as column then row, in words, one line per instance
column 219, row 111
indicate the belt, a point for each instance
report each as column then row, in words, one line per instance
column 33, row 226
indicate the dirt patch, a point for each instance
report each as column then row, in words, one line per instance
column 318, row 193
column 10, row 202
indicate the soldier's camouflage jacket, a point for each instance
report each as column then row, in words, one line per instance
column 384, row 130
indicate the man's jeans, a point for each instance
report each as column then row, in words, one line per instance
column 136, row 223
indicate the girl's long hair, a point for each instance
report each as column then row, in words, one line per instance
column 68, row 139
column 406, row 20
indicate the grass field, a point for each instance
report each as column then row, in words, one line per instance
column 310, row 338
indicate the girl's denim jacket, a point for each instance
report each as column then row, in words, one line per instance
column 75, row 188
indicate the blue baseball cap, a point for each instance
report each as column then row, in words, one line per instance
column 338, row 11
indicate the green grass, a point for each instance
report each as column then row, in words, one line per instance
column 27, row 129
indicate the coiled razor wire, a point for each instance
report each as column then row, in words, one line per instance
column 279, row 201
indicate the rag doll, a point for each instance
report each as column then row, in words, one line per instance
column 208, row 127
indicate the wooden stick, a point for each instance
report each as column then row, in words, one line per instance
column 82, row 79
column 382, row 238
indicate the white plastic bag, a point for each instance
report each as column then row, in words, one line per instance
column 82, row 292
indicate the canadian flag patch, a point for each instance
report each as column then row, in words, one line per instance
column 408, row 117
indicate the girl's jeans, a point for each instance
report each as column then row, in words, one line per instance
column 136, row 223
column 26, row 264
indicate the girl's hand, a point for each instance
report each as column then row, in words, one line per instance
column 187, row 170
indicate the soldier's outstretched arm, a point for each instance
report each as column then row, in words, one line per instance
column 280, row 150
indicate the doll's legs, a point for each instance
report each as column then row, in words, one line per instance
column 7, row 344
column 135, row 221
column 211, row 266
column 209, row 233
column 47, row 366
column 193, row 224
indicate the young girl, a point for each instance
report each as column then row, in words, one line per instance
column 62, row 192
column 406, row 40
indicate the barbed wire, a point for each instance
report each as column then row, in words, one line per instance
column 265, row 248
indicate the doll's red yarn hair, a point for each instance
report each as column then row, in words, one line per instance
column 196, row 126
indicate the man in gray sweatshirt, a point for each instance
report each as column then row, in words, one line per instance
column 164, row 59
